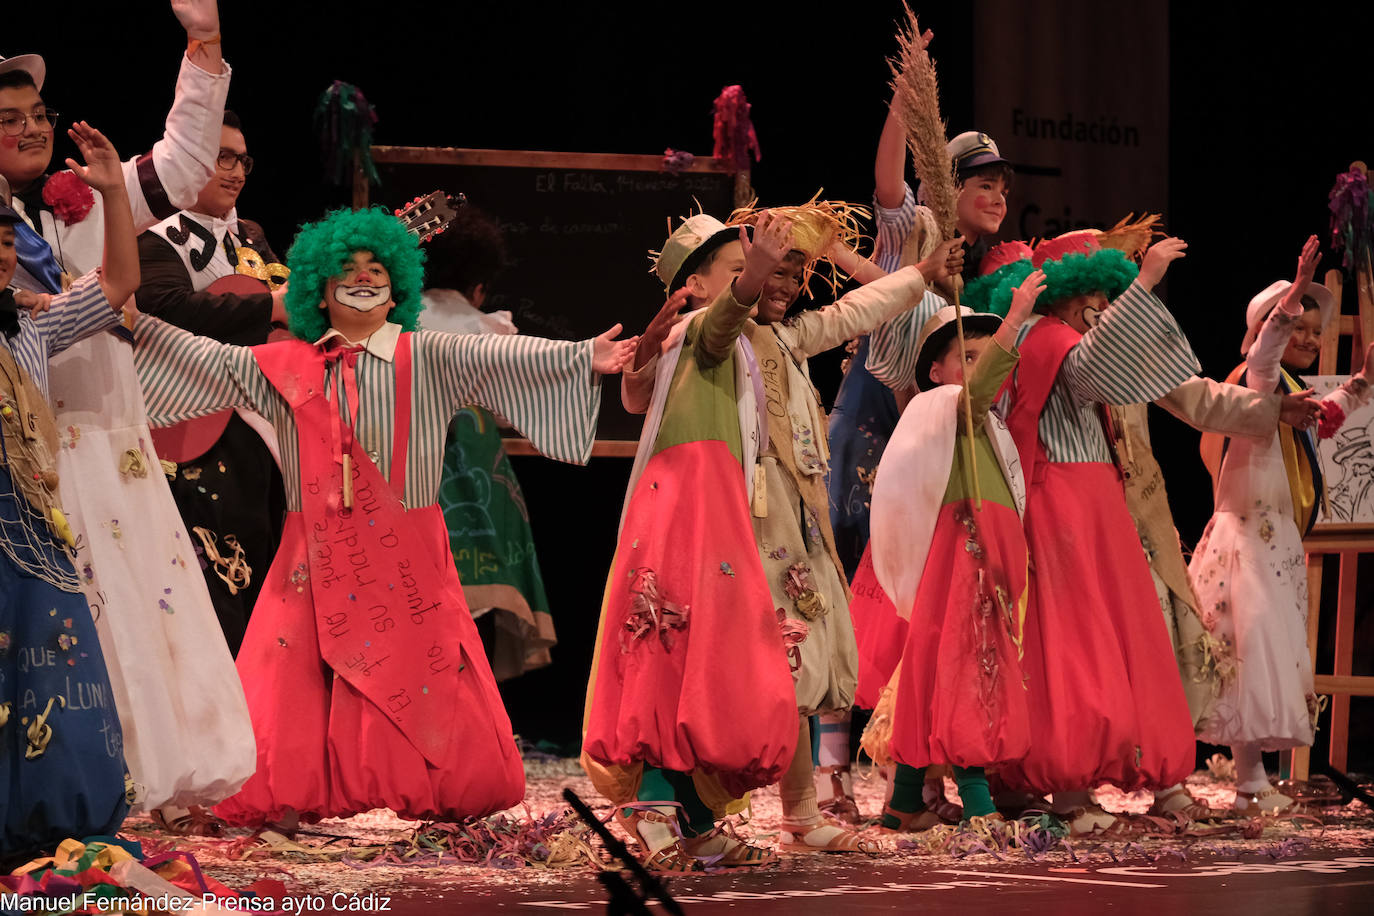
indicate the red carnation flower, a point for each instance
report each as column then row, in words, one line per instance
column 70, row 197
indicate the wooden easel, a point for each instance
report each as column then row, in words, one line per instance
column 1345, row 541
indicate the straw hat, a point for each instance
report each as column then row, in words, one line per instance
column 939, row 330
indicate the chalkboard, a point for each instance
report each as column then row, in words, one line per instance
column 578, row 227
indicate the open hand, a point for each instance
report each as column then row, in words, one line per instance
column 36, row 303
column 200, row 18
column 947, row 260
column 1157, row 261
column 662, row 324
column 609, row 355
column 102, row 170
column 1023, row 299
column 1307, row 264
column 1300, row 410
column 772, row 240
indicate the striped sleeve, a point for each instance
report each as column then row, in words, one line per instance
column 892, row 345
column 894, row 225
column 80, row 312
column 185, row 376
column 545, row 388
column 1135, row 354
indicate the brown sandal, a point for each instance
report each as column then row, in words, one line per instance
column 670, row 859
column 738, row 852
column 1193, row 811
column 910, row 821
column 794, row 839
column 1119, row 829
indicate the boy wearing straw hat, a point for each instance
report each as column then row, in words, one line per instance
column 726, row 509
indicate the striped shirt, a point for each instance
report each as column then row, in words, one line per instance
column 545, row 388
column 1136, row 353
column 892, row 345
column 80, row 312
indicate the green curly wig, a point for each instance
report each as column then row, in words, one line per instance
column 991, row 293
column 321, row 249
column 1107, row 270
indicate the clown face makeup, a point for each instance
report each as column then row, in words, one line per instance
column 363, row 284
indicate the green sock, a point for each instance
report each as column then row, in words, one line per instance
column 906, row 794
column 973, row 792
column 695, row 818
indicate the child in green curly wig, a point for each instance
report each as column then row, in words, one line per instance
column 323, row 248
column 365, row 677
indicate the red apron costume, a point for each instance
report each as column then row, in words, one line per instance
column 878, row 629
column 365, row 676
column 1104, row 699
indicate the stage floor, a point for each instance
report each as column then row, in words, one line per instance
column 377, row 860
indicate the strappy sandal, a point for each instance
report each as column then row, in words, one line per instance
column 1119, row 829
column 1252, row 805
column 946, row 810
column 1193, row 811
column 738, row 852
column 910, row 821
column 196, row 821
column 840, row 806
column 670, row 859
column 794, row 839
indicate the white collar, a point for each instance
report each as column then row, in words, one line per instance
column 381, row 343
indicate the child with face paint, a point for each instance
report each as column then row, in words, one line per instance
column 366, row 680
column 1249, row 565
column 1205, row 405
column 954, row 565
column 1103, row 693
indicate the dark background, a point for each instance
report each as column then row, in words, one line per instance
column 1266, row 108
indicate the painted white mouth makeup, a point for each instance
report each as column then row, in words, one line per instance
column 362, row 298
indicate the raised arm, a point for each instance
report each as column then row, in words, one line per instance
column 1263, row 361
column 889, row 165
column 725, row 318
column 119, row 274
column 169, row 177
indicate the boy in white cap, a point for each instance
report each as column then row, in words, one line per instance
column 1249, row 567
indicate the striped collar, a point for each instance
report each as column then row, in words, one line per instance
column 381, row 343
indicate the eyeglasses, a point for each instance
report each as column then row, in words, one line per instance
column 12, row 122
column 227, row 158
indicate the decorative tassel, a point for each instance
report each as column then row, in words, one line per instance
column 1351, row 203
column 344, row 120
column 734, row 132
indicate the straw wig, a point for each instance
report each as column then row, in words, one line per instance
column 320, row 251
